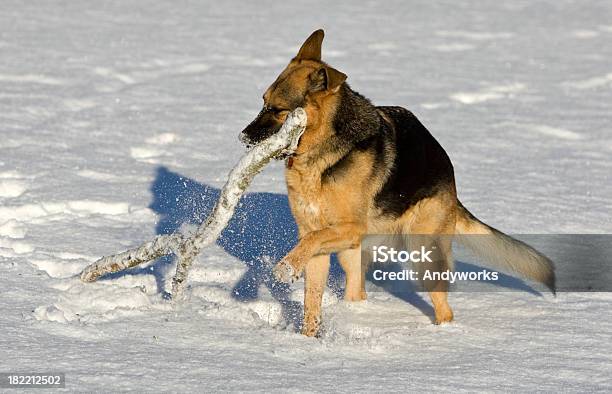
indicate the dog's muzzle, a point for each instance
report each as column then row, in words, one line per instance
column 245, row 139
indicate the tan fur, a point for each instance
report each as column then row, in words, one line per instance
column 504, row 251
column 355, row 270
column 316, row 273
column 436, row 215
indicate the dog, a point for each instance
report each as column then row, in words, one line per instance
column 361, row 169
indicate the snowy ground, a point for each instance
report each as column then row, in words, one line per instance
column 119, row 120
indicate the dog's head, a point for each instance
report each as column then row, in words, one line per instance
column 306, row 82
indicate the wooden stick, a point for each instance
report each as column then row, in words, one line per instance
column 187, row 248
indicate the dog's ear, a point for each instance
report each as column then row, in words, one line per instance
column 326, row 78
column 311, row 48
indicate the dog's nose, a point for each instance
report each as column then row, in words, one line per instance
column 243, row 138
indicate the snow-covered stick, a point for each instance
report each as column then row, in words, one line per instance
column 187, row 248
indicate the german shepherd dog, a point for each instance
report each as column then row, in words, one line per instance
column 362, row 169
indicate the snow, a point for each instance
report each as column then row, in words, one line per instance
column 119, row 121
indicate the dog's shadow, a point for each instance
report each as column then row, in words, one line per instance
column 259, row 234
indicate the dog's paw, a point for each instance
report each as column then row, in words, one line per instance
column 312, row 326
column 284, row 272
column 445, row 316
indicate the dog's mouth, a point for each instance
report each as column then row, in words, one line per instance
column 250, row 139
column 246, row 140
column 284, row 155
column 249, row 144
column 258, row 131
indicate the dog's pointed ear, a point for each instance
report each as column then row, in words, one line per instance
column 311, row 48
column 326, row 78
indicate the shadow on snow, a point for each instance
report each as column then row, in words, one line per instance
column 260, row 233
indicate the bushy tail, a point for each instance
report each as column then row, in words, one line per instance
column 503, row 251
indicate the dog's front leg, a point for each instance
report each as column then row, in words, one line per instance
column 328, row 240
column 315, row 279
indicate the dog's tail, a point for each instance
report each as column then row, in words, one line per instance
column 502, row 250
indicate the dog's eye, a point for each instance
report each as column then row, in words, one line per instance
column 274, row 110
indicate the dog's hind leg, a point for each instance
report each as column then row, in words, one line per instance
column 432, row 223
column 350, row 260
column 315, row 280
column 438, row 289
